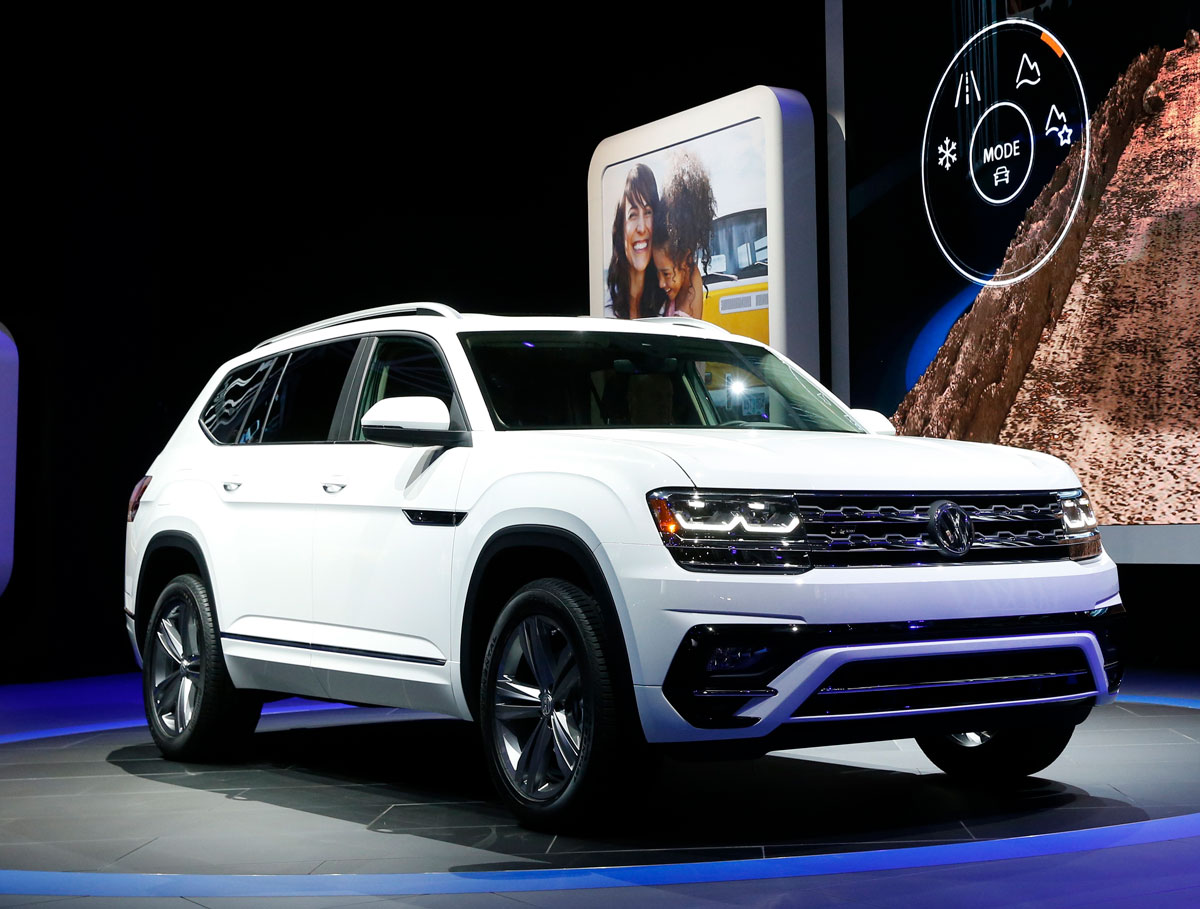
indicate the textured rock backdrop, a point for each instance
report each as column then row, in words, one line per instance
column 1096, row 357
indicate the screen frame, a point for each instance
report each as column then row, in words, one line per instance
column 790, row 160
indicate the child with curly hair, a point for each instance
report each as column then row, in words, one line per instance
column 683, row 235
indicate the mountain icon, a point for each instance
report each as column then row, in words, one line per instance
column 1055, row 119
column 1028, row 73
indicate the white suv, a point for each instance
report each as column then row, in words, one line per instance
column 595, row 537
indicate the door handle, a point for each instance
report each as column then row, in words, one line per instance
column 231, row 486
column 333, row 487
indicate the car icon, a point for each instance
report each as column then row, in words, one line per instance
column 1000, row 176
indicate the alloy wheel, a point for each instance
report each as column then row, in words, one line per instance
column 539, row 713
column 177, row 667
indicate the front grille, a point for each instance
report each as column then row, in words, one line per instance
column 862, row 529
column 952, row 680
column 852, row 529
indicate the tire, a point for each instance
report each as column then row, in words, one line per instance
column 999, row 757
column 194, row 711
column 552, row 732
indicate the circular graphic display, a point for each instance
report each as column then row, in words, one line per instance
column 1007, row 112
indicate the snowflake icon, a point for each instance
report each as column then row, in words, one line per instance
column 946, row 155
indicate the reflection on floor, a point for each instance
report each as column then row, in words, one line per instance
column 356, row 791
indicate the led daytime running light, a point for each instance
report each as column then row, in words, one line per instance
column 735, row 521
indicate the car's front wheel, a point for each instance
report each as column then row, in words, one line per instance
column 195, row 712
column 998, row 756
column 552, row 731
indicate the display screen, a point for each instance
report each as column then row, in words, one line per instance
column 1024, row 238
column 686, row 232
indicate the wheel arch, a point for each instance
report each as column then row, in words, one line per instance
column 168, row 554
column 513, row 557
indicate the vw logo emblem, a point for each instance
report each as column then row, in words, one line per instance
column 950, row 528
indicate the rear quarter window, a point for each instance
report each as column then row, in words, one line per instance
column 225, row 413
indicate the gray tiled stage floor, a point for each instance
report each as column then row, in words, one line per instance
column 406, row 795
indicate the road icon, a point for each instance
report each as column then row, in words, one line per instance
column 1028, row 72
column 1000, row 176
column 946, row 155
column 967, row 81
column 1056, row 122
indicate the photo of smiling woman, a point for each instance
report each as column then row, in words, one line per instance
column 689, row 237
column 633, row 291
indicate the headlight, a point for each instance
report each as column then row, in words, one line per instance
column 1079, row 525
column 1077, row 514
column 716, row 531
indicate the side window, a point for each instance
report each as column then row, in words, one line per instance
column 226, row 411
column 407, row 367
column 306, row 398
column 256, row 418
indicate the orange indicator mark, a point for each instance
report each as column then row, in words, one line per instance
column 666, row 519
column 1054, row 45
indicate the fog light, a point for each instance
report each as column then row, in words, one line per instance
column 734, row 659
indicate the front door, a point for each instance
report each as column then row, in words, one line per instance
column 382, row 545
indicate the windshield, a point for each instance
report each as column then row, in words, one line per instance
column 594, row 379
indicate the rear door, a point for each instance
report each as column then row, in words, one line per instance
column 267, row 471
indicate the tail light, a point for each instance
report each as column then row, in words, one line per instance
column 135, row 498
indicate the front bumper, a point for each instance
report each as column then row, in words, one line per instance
column 864, row 653
column 841, row 693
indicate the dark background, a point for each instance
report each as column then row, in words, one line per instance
column 187, row 194
column 186, row 189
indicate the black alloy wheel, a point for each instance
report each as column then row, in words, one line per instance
column 195, row 712
column 547, row 706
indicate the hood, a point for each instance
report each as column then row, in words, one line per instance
column 834, row 461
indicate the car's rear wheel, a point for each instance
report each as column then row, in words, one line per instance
column 997, row 756
column 195, row 712
column 548, row 709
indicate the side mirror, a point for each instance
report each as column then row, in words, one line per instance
column 874, row 422
column 414, row 420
